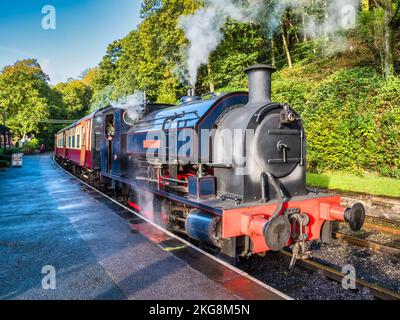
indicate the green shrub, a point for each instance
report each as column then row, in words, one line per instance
column 4, row 164
column 30, row 147
column 6, row 157
column 11, row 151
column 351, row 118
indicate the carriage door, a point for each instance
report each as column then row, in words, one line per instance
column 83, row 144
column 110, row 136
column 116, row 149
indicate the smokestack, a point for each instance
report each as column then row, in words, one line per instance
column 260, row 83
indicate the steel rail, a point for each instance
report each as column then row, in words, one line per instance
column 333, row 274
column 385, row 229
column 377, row 247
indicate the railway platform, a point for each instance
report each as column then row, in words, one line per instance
column 59, row 239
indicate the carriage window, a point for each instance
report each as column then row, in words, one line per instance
column 69, row 142
column 78, row 141
column 73, row 141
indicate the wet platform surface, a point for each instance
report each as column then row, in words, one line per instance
column 48, row 218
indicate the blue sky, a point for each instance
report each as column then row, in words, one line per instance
column 84, row 29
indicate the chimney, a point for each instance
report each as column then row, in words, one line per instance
column 260, row 83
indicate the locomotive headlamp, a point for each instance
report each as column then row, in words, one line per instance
column 292, row 117
column 287, row 116
column 131, row 116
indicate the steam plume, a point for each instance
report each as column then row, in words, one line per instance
column 203, row 28
column 134, row 104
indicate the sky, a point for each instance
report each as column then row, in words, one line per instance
column 84, row 28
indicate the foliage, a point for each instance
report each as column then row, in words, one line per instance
column 243, row 45
column 347, row 94
column 29, row 101
column 30, row 147
column 352, row 119
column 24, row 96
column 4, row 164
column 10, row 151
column 6, row 157
column 73, row 100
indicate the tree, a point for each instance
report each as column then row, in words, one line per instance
column 89, row 75
column 243, row 45
column 25, row 96
column 147, row 57
column 391, row 9
column 75, row 96
column 380, row 27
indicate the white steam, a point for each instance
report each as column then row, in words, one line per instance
column 134, row 104
column 340, row 15
column 203, row 29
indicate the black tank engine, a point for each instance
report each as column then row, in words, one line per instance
column 228, row 172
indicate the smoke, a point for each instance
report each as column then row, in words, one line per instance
column 271, row 14
column 145, row 202
column 203, row 28
column 340, row 15
column 134, row 104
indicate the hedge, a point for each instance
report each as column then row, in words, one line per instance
column 351, row 118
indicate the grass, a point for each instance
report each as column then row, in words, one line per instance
column 343, row 181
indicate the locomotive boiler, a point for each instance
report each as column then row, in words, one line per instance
column 228, row 172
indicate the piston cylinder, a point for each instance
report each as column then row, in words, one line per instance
column 203, row 227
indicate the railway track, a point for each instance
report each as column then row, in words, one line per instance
column 380, row 225
column 331, row 273
column 334, row 274
column 383, row 225
column 363, row 243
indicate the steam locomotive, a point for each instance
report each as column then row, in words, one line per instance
column 228, row 172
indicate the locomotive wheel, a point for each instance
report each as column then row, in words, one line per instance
column 277, row 233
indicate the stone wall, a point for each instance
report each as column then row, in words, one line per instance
column 376, row 206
